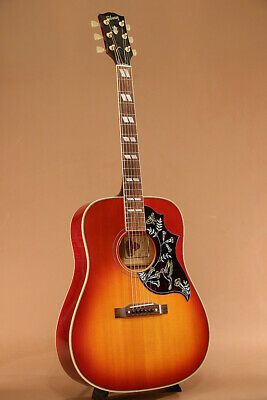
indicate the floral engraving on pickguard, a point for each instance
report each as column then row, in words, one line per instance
column 166, row 274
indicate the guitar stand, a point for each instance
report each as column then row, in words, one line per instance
column 99, row 394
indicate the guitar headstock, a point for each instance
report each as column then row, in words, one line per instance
column 115, row 36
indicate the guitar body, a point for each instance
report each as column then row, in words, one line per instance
column 101, row 346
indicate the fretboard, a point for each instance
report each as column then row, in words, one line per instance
column 131, row 173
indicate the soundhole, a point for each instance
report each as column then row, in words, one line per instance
column 137, row 251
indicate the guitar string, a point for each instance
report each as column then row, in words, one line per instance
column 128, row 194
column 132, row 191
column 140, row 233
column 135, row 220
column 137, row 194
column 119, row 61
column 129, row 172
column 137, row 187
column 127, row 162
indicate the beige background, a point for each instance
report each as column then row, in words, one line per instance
column 201, row 94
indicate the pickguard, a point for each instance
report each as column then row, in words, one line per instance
column 165, row 275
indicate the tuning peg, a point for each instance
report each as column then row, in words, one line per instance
column 134, row 52
column 100, row 49
column 128, row 27
column 94, row 24
column 131, row 39
column 97, row 36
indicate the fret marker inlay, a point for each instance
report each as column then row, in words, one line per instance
column 127, row 73
column 130, row 156
column 126, row 97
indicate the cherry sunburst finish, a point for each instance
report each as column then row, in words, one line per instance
column 132, row 319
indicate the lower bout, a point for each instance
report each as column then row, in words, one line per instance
column 137, row 358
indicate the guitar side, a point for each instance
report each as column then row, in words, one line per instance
column 143, row 353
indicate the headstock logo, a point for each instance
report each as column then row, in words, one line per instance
column 111, row 18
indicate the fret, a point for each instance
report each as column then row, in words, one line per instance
column 132, row 152
column 135, row 216
column 132, row 185
column 127, row 142
column 126, row 91
column 138, row 221
column 130, row 175
column 136, row 229
column 138, row 218
column 133, row 191
column 135, row 169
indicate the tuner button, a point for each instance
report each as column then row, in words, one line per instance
column 97, row 36
column 128, row 49
column 112, row 47
column 131, row 39
column 100, row 49
column 121, row 23
column 109, row 34
column 124, row 36
column 94, row 24
column 134, row 52
column 106, row 21
column 128, row 27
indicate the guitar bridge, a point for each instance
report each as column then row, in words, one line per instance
column 141, row 310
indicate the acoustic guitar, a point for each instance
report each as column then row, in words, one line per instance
column 132, row 319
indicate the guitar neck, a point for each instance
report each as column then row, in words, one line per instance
column 131, row 172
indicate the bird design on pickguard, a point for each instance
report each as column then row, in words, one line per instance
column 165, row 274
